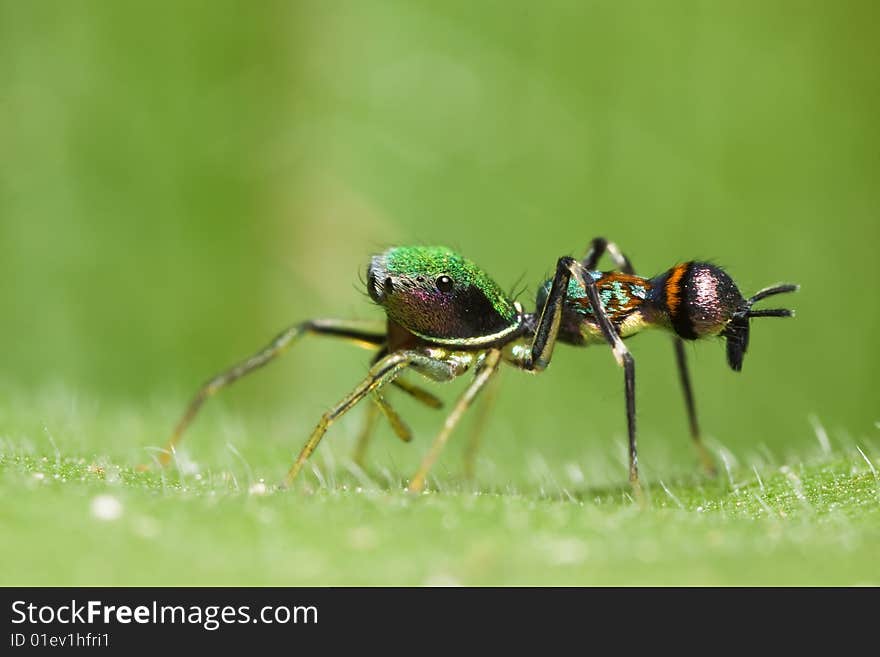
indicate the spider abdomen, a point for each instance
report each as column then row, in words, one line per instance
column 698, row 299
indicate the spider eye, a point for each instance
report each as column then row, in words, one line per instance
column 444, row 284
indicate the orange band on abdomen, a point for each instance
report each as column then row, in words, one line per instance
column 673, row 288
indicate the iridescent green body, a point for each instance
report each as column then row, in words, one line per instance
column 433, row 261
column 442, row 297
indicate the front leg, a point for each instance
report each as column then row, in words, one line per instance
column 383, row 372
column 538, row 355
column 487, row 369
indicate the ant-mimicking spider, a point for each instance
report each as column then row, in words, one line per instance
column 446, row 316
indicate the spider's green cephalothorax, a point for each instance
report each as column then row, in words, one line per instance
column 442, row 297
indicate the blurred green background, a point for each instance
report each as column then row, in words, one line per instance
column 179, row 181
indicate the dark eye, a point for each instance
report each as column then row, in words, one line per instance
column 444, row 284
column 389, row 286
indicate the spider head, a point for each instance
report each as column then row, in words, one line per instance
column 440, row 296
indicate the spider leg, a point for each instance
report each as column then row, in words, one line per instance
column 355, row 332
column 479, row 425
column 598, row 247
column 418, row 393
column 399, row 427
column 488, row 368
column 624, row 359
column 382, row 373
column 685, row 380
column 538, row 355
column 381, row 404
column 363, row 440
